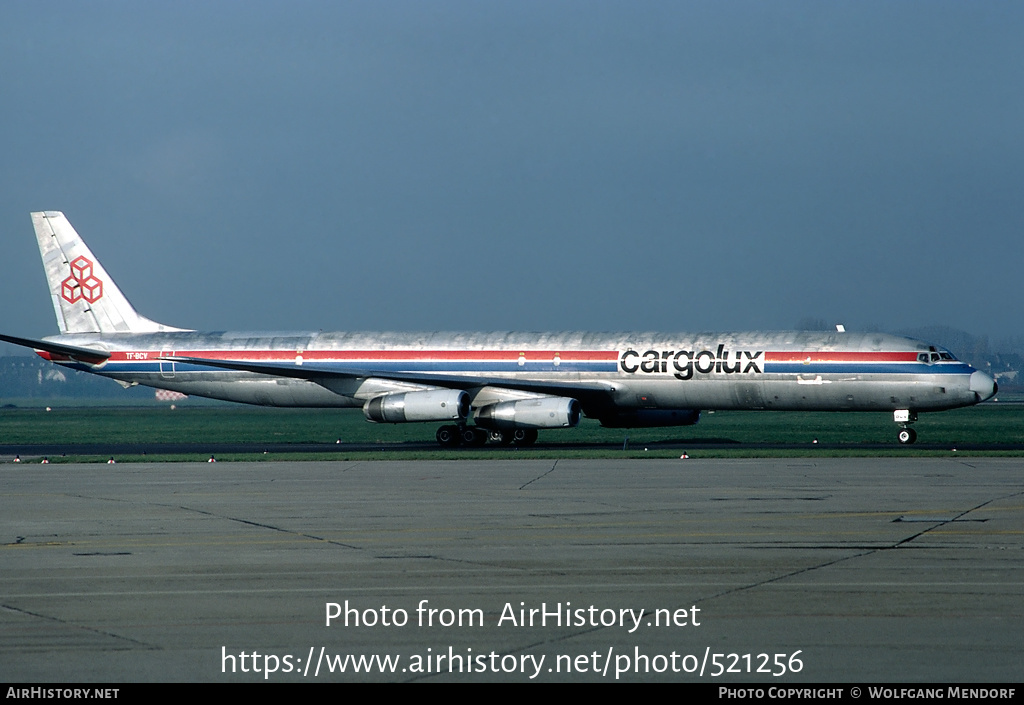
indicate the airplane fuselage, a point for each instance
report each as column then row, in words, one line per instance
column 789, row 370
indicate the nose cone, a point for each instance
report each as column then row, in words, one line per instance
column 982, row 385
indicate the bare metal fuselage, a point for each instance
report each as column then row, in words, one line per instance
column 790, row 370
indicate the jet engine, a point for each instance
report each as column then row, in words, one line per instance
column 651, row 418
column 432, row 405
column 546, row 412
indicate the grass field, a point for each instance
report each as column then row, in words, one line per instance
column 986, row 424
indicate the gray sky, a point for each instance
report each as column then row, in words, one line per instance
column 522, row 165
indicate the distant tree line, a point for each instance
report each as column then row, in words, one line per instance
column 1005, row 361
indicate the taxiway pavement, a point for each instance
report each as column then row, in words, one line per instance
column 874, row 569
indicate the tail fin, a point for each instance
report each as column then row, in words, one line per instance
column 85, row 298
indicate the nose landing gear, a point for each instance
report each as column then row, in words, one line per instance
column 905, row 417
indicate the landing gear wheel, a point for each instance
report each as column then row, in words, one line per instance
column 907, row 436
column 500, row 438
column 448, row 436
column 473, row 437
column 523, row 437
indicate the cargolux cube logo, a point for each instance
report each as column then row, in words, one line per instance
column 81, row 284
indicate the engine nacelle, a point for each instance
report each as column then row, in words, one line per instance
column 547, row 412
column 432, row 405
column 651, row 418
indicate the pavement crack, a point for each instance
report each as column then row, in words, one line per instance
column 959, row 517
column 459, row 561
column 270, row 527
column 542, row 475
column 82, row 627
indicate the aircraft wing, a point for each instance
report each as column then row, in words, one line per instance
column 87, row 355
column 588, row 393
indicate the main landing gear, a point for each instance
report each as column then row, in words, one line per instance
column 476, row 437
column 905, row 417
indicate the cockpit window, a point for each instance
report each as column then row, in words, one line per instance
column 933, row 357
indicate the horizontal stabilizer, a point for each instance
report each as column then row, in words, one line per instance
column 86, row 355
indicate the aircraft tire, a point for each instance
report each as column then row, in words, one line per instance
column 907, row 436
column 522, row 437
column 500, row 438
column 448, row 436
column 473, row 437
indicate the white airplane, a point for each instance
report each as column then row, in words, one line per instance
column 500, row 386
